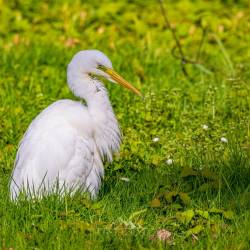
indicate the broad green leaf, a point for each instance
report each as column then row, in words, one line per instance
column 184, row 198
column 202, row 213
column 195, row 230
column 175, row 206
column 170, row 195
column 156, row 160
column 186, row 216
column 216, row 211
column 228, row 214
column 155, row 203
column 97, row 205
column 186, row 171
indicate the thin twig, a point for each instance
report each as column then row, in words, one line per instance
column 186, row 60
column 182, row 57
column 178, row 46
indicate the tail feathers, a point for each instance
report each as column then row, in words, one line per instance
column 25, row 179
column 93, row 181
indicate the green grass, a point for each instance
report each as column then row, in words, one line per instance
column 205, row 192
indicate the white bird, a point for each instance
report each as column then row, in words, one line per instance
column 65, row 145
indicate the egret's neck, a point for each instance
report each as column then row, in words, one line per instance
column 99, row 100
column 107, row 133
column 92, row 91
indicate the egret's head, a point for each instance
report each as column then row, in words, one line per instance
column 95, row 63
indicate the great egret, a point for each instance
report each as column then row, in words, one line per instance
column 67, row 142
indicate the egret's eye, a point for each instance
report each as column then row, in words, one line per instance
column 101, row 67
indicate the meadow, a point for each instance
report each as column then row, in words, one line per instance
column 182, row 177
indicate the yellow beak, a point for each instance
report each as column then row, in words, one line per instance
column 120, row 80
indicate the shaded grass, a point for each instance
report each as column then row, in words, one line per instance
column 111, row 221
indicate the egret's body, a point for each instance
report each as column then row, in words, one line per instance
column 66, row 143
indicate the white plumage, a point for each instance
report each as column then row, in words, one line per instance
column 65, row 145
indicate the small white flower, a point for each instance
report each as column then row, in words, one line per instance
column 224, row 139
column 125, row 179
column 205, row 127
column 169, row 161
column 155, row 139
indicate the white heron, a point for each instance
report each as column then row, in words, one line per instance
column 67, row 142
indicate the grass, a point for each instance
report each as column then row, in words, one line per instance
column 203, row 198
